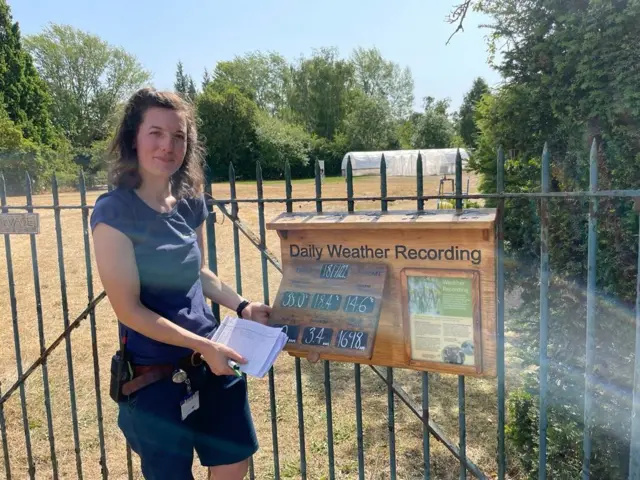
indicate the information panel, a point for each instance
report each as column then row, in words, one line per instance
column 330, row 307
column 442, row 317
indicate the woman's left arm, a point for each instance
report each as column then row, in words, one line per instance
column 220, row 293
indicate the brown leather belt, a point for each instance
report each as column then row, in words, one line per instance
column 145, row 375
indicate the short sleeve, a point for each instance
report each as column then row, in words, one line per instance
column 200, row 211
column 112, row 211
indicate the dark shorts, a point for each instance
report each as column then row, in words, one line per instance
column 221, row 431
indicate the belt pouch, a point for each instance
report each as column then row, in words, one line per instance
column 120, row 374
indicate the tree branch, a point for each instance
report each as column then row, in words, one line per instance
column 458, row 15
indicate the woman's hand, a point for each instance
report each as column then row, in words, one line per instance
column 258, row 312
column 216, row 355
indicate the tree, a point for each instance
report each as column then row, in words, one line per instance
column 10, row 135
column 434, row 128
column 22, row 92
column 369, row 125
column 383, row 79
column 405, row 130
column 192, row 93
column 236, row 131
column 184, row 85
column 360, row 102
column 206, row 79
column 466, row 117
column 19, row 155
column 319, row 93
column 86, row 76
column 263, row 77
column 228, row 126
column 279, row 142
column 181, row 83
column 570, row 78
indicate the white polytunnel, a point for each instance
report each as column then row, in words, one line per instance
column 402, row 163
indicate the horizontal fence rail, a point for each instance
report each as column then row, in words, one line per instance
column 631, row 194
column 229, row 209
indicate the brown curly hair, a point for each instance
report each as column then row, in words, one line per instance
column 123, row 172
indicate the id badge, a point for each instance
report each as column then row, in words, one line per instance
column 190, row 404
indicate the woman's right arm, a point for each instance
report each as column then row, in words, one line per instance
column 119, row 275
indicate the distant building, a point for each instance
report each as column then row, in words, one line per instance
column 402, row 163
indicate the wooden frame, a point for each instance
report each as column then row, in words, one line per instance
column 428, row 243
column 438, row 273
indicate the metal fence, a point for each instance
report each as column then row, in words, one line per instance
column 229, row 208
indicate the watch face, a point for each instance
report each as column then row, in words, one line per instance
column 179, row 376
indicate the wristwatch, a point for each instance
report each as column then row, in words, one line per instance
column 241, row 307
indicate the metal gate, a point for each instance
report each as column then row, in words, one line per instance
column 227, row 209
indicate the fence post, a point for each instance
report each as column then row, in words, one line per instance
column 92, row 323
column 5, row 443
column 458, row 183
column 634, row 455
column 212, row 254
column 65, row 319
column 265, row 291
column 390, row 395
column 16, row 335
column 326, row 364
column 357, row 371
column 3, row 425
column 462, row 427
column 544, row 314
column 591, row 300
column 500, row 314
column 236, row 236
column 236, row 255
column 288, row 187
column 426, row 454
column 39, row 315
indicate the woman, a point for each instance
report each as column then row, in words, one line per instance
column 148, row 245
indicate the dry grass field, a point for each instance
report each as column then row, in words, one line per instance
column 481, row 404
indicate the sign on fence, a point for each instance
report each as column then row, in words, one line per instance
column 19, row 223
column 412, row 289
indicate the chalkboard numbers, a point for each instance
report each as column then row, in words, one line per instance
column 334, row 270
column 326, row 301
column 317, row 336
column 351, row 339
column 294, row 299
column 359, row 304
column 290, row 330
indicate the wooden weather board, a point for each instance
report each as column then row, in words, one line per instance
column 330, row 307
column 410, row 245
column 442, row 319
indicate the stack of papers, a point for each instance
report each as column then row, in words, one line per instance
column 259, row 344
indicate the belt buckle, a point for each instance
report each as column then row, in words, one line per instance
column 196, row 359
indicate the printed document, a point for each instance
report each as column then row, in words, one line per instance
column 259, row 344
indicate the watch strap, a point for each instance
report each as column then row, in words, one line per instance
column 241, row 307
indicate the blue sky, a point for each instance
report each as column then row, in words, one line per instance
column 200, row 33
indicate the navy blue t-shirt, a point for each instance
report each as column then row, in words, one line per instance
column 168, row 259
